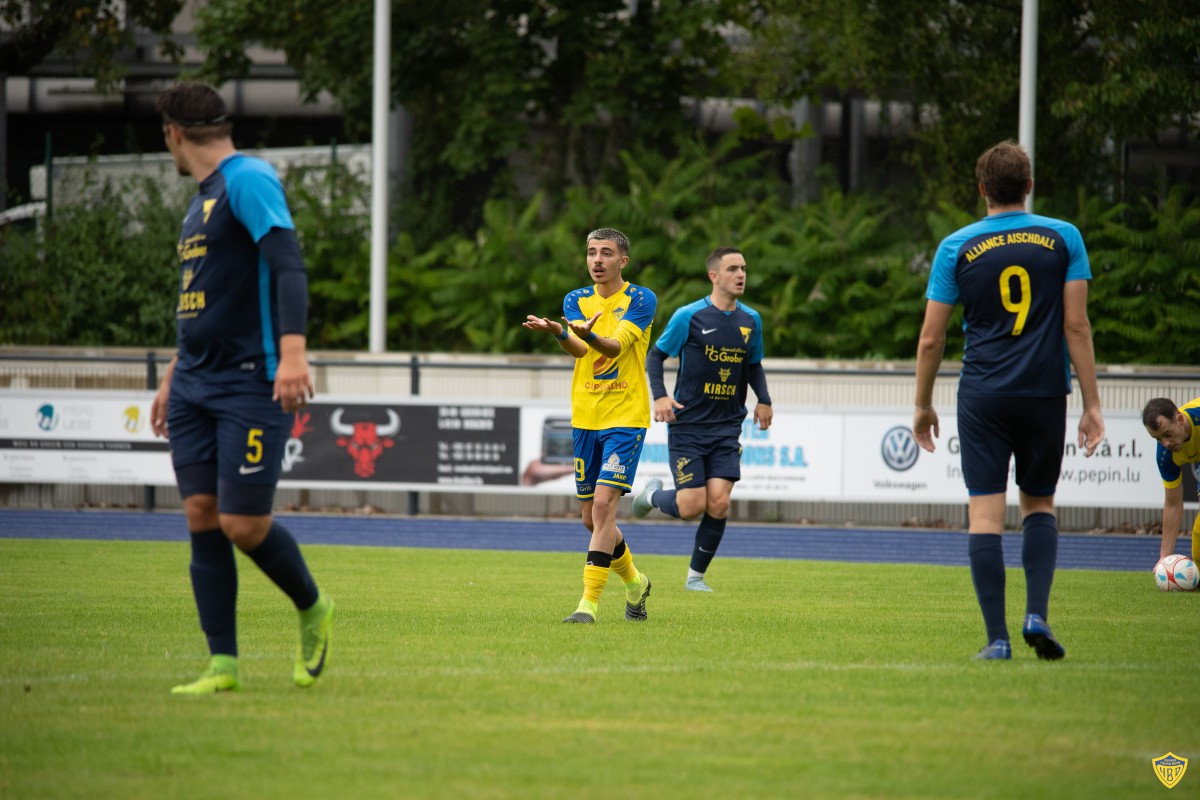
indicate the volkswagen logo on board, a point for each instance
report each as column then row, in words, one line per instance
column 899, row 449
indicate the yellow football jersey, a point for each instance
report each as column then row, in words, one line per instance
column 1170, row 465
column 612, row 393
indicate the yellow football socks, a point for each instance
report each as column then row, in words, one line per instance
column 594, row 579
column 624, row 567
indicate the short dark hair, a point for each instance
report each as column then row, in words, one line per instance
column 197, row 109
column 1159, row 407
column 714, row 258
column 611, row 235
column 1004, row 170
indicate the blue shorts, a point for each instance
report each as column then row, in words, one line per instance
column 700, row 452
column 227, row 439
column 608, row 457
column 1031, row 430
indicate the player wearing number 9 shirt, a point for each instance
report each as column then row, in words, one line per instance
column 1022, row 281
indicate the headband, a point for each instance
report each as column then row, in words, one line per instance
column 196, row 123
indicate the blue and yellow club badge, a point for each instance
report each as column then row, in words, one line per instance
column 1169, row 768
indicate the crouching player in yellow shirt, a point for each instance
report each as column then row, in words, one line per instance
column 607, row 331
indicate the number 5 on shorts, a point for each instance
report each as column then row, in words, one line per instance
column 254, row 448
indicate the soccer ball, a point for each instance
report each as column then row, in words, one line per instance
column 1176, row 573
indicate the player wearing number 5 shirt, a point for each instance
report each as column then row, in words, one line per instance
column 1022, row 281
column 240, row 371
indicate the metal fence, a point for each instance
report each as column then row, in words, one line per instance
column 807, row 384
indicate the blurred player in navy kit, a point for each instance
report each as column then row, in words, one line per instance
column 1022, row 280
column 239, row 372
column 719, row 343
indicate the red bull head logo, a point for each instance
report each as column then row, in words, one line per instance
column 364, row 441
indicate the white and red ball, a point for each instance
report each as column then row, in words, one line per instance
column 1176, row 573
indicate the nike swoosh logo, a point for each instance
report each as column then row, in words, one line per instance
column 244, row 470
column 702, row 550
column 707, row 331
column 316, row 671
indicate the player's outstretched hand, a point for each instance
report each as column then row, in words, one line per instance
column 582, row 329
column 534, row 323
column 925, row 421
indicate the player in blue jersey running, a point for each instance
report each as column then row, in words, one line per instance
column 1177, row 431
column 1022, row 280
column 240, row 370
column 719, row 343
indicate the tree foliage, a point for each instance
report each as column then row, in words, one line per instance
column 572, row 84
column 93, row 33
column 101, row 273
column 1108, row 70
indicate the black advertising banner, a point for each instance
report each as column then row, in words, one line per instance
column 446, row 445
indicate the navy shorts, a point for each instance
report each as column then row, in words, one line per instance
column 227, row 439
column 1030, row 430
column 700, row 452
column 608, row 457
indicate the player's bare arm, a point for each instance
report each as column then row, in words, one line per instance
column 930, row 348
column 158, row 408
column 293, row 382
column 1078, row 331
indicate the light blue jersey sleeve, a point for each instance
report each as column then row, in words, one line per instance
column 1078, row 268
column 256, row 196
column 943, row 286
column 674, row 336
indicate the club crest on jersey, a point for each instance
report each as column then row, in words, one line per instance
column 724, row 373
column 208, row 207
column 1169, row 768
column 745, row 335
column 188, row 275
column 619, row 312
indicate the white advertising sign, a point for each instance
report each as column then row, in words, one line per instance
column 81, row 437
column 426, row 445
column 890, row 467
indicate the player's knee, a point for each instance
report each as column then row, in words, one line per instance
column 246, row 532
column 718, row 507
column 201, row 512
column 690, row 508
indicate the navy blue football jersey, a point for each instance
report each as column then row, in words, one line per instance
column 1008, row 270
column 227, row 319
column 715, row 350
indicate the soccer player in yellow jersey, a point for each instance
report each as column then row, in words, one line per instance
column 607, row 331
column 1177, row 431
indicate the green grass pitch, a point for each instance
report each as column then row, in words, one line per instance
column 451, row 676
